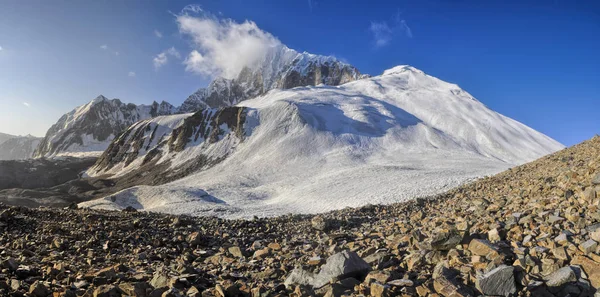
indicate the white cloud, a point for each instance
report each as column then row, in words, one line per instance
column 105, row 47
column 158, row 34
column 222, row 47
column 173, row 52
column 131, row 74
column 160, row 60
column 383, row 33
column 26, row 104
column 163, row 58
column 406, row 29
column 0, row 48
column 194, row 8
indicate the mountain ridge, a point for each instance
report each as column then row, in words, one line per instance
column 327, row 141
column 85, row 131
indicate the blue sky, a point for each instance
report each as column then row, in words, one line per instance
column 535, row 61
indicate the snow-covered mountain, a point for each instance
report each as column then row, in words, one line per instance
column 282, row 68
column 90, row 128
column 18, row 147
column 383, row 139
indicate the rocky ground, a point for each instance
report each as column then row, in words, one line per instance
column 533, row 230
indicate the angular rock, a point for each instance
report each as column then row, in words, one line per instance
column 299, row 276
column 560, row 277
column 160, row 279
column 446, row 239
column 497, row 282
column 341, row 265
column 38, row 289
column 590, row 267
column 107, row 291
column 320, row 223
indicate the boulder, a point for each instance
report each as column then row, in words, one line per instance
column 497, row 282
column 342, row 265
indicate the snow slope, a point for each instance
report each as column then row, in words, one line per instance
column 383, row 139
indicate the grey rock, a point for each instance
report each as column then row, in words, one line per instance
column 299, row 276
column 596, row 179
column 561, row 277
column 446, row 240
column 341, row 265
column 320, row 223
column 498, row 282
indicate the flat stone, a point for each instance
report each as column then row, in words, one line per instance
column 401, row 283
column 498, row 282
column 482, row 247
column 589, row 246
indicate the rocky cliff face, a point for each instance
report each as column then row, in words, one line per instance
column 90, row 128
column 164, row 140
column 18, row 147
column 283, row 68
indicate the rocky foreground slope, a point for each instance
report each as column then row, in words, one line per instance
column 533, row 230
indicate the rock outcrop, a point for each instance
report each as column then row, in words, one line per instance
column 283, row 68
column 89, row 129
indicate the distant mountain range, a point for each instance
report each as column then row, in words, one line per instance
column 89, row 129
column 17, row 147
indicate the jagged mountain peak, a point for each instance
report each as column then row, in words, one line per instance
column 89, row 128
column 282, row 68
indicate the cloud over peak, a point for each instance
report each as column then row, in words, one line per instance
column 222, row 47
